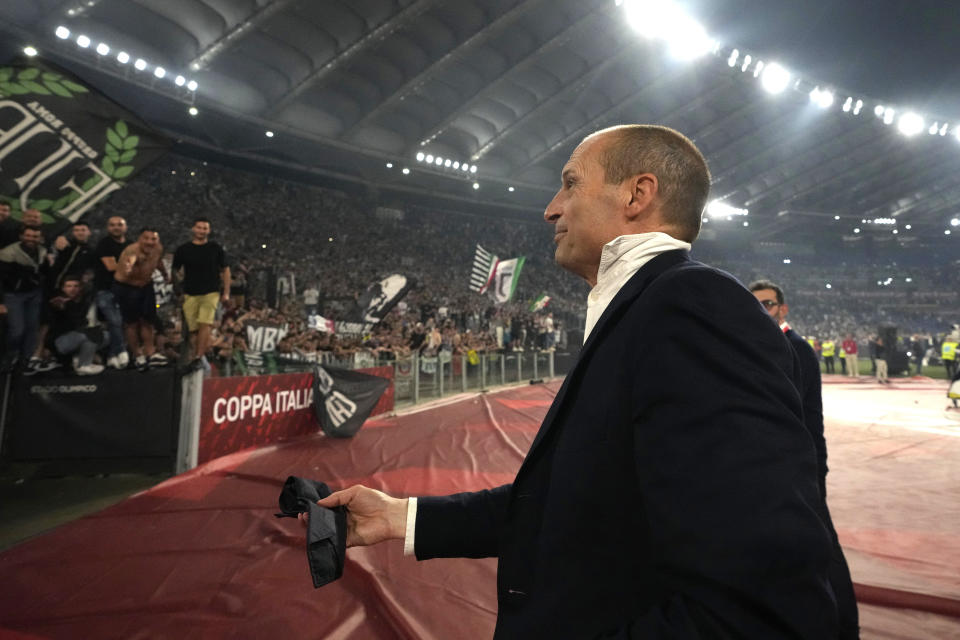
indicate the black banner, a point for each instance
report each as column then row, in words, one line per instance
column 118, row 414
column 344, row 399
column 375, row 303
column 63, row 146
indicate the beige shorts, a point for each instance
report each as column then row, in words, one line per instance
column 200, row 309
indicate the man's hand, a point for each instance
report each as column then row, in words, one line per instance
column 61, row 243
column 372, row 516
column 225, row 298
column 3, row 309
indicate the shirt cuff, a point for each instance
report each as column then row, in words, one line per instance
column 408, row 537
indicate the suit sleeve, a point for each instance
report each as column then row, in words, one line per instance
column 813, row 407
column 726, row 470
column 462, row 525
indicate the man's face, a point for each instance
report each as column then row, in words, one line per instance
column 4, row 211
column 148, row 241
column 31, row 238
column 201, row 230
column 71, row 289
column 32, row 217
column 116, row 227
column 81, row 233
column 585, row 211
column 768, row 298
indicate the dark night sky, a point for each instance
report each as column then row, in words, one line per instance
column 905, row 52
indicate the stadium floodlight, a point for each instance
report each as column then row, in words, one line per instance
column 774, row 78
column 786, row 261
column 946, row 232
column 103, row 48
column 943, row 129
column 884, row 221
column 822, row 98
column 746, row 224
column 269, row 134
column 857, row 107
column 193, row 111
column 829, row 286
column 439, row 161
column 473, row 168
column 718, row 209
column 836, row 217
column 448, row 162
column 732, row 60
column 747, row 59
column 908, row 227
column 848, row 104
column 857, row 230
column 878, row 111
column 406, row 171
column 955, row 222
column 909, row 280
column 192, row 85
column 83, row 41
column 465, row 167
column 429, row 158
column 140, row 64
column 910, row 124
column 160, row 72
column 30, row 51
column 456, row 164
column 934, row 128
column 895, row 232
column 123, row 57
column 179, row 81
column 62, row 32
column 687, row 39
column 476, row 185
column 757, row 68
column 389, row 165
column 420, row 156
column 511, row 189
column 888, row 115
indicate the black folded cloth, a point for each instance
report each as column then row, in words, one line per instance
column 326, row 529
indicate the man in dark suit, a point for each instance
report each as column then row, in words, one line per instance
column 770, row 296
column 671, row 491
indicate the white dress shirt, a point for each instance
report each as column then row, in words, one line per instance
column 620, row 259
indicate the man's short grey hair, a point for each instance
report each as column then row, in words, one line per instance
column 681, row 170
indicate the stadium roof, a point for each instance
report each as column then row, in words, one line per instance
column 348, row 87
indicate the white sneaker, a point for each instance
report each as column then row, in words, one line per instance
column 123, row 358
column 114, row 362
column 141, row 362
column 89, row 369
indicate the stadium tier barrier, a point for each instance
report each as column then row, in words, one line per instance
column 128, row 421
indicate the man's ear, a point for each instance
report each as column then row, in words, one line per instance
column 643, row 189
column 784, row 310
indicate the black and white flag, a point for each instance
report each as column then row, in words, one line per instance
column 375, row 303
column 343, row 399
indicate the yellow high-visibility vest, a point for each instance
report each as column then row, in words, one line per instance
column 828, row 348
column 812, row 342
column 949, row 350
column 842, row 354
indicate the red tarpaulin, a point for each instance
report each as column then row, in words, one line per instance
column 201, row 555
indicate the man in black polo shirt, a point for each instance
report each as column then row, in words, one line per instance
column 104, row 266
column 205, row 275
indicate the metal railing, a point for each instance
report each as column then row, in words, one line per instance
column 419, row 378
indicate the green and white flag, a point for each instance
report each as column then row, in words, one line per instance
column 540, row 303
column 505, row 277
column 64, row 147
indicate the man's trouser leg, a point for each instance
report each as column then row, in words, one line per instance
column 78, row 345
column 107, row 306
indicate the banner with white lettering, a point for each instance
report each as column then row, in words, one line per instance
column 238, row 413
column 263, row 337
column 64, row 147
column 343, row 399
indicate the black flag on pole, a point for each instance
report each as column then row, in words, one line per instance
column 64, row 147
column 343, row 399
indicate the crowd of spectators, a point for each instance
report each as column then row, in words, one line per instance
column 301, row 255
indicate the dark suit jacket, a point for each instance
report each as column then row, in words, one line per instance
column 812, row 400
column 672, row 489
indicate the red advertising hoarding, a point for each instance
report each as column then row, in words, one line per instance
column 243, row 412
